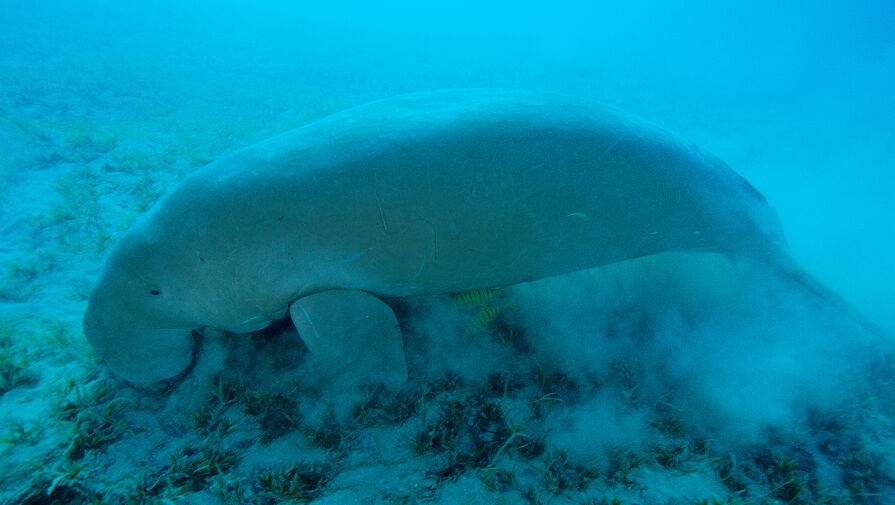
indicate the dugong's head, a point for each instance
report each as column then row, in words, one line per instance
column 142, row 312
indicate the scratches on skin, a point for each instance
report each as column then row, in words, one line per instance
column 353, row 257
column 613, row 144
column 434, row 242
column 310, row 322
column 253, row 323
column 434, row 257
column 610, row 147
column 383, row 221
column 419, row 272
column 522, row 253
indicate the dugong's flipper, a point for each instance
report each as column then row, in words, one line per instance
column 352, row 334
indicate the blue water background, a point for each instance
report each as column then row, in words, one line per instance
column 794, row 95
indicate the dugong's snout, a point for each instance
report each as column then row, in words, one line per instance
column 134, row 351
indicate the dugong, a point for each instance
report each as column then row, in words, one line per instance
column 420, row 194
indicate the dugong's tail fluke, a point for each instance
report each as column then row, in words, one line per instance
column 784, row 267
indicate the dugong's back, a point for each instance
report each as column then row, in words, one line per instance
column 452, row 190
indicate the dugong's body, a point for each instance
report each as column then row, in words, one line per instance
column 426, row 193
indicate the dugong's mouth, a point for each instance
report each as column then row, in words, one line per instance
column 138, row 353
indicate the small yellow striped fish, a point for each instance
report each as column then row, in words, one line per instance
column 484, row 316
column 475, row 298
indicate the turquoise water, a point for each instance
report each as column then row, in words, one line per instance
column 674, row 379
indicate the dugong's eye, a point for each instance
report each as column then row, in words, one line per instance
column 155, row 292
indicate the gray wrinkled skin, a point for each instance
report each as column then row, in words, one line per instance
column 427, row 193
